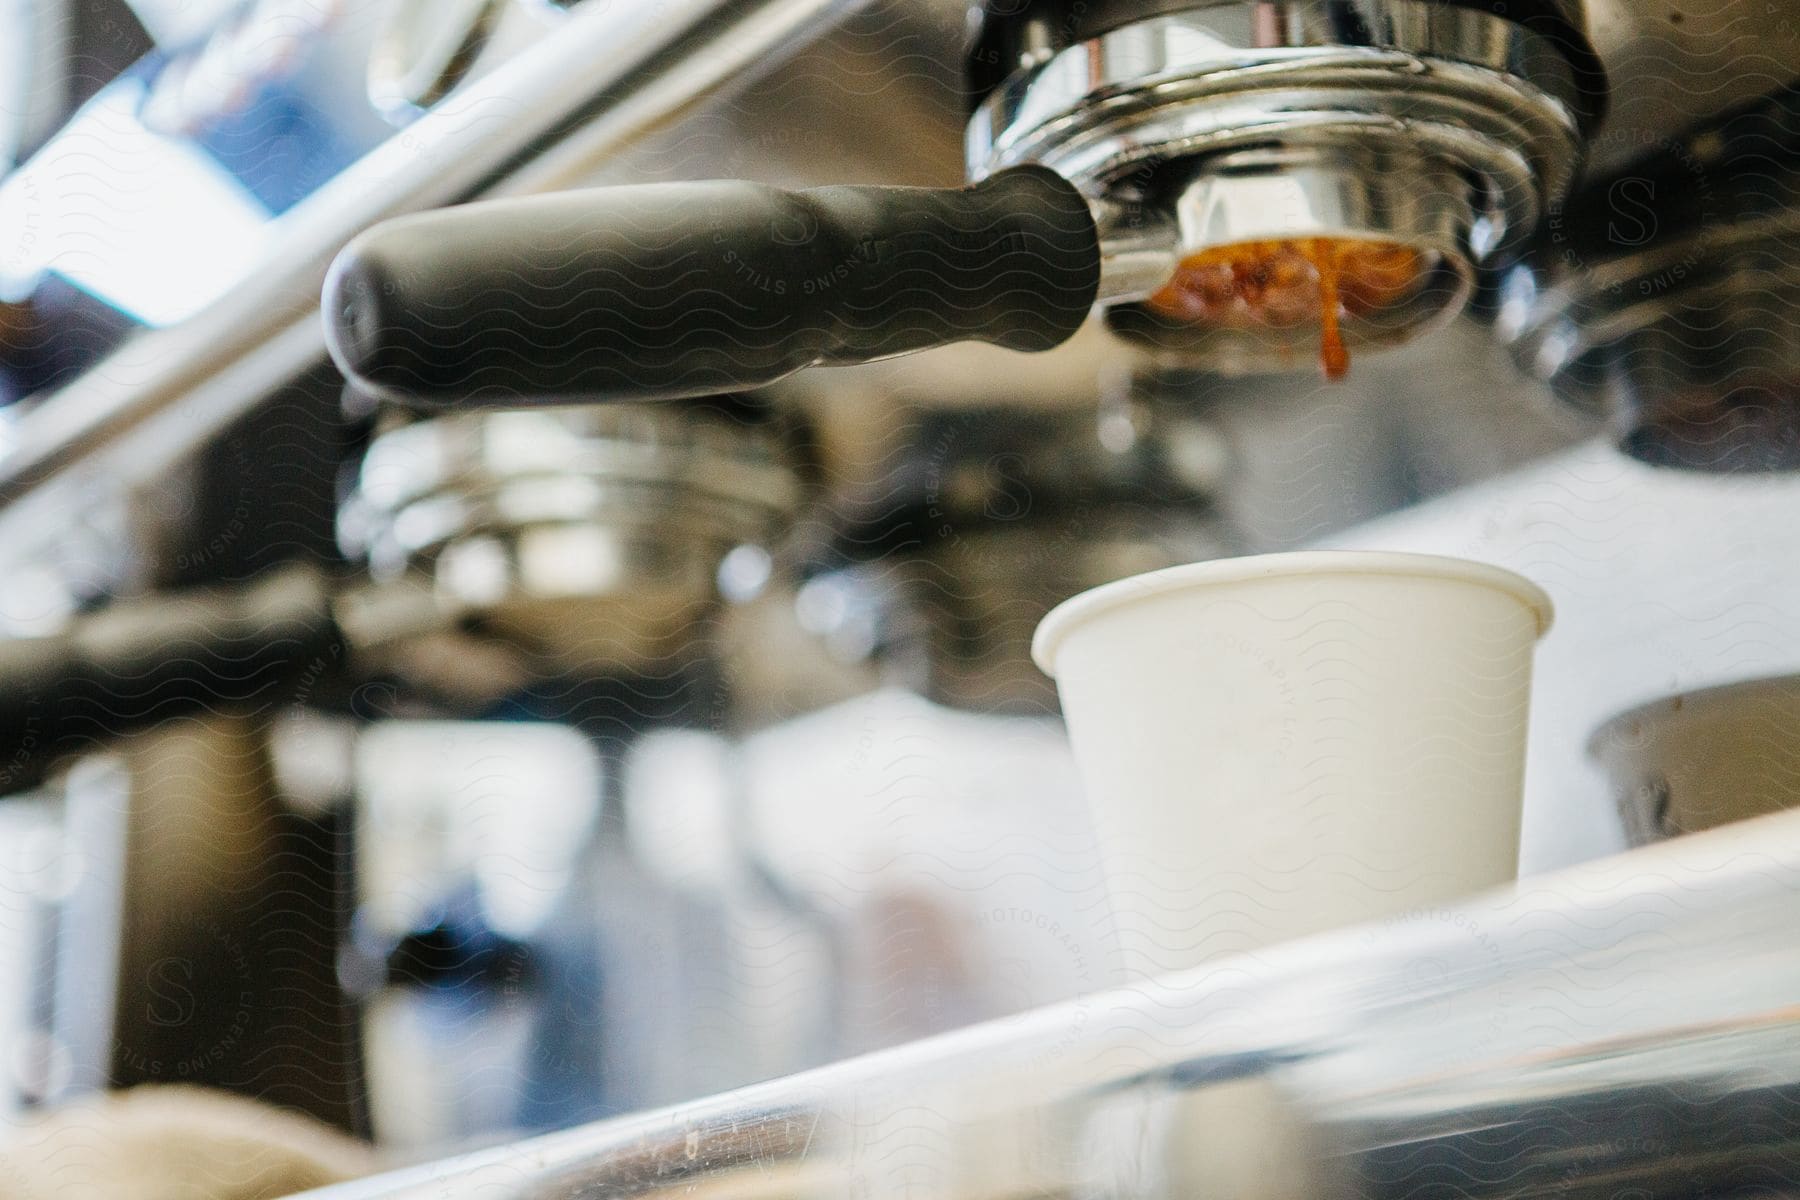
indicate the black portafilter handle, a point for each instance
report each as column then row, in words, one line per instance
column 663, row 291
column 139, row 663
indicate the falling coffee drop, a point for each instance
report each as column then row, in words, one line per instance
column 1332, row 353
column 1291, row 282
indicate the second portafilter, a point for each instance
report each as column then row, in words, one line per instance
column 1665, row 300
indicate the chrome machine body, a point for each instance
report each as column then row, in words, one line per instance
column 1570, row 1040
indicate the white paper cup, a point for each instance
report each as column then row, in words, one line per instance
column 1279, row 745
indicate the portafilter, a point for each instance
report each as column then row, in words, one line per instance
column 1240, row 186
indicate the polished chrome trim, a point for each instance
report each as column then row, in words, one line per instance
column 609, row 75
column 1626, row 1027
column 1452, row 65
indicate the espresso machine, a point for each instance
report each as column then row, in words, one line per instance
column 523, row 522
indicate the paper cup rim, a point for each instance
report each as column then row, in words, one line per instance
column 1057, row 624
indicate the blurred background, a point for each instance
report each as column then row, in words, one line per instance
column 731, row 759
